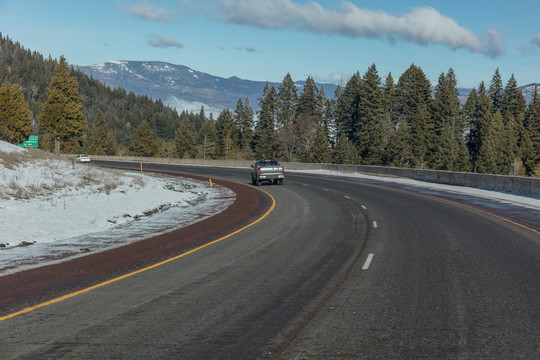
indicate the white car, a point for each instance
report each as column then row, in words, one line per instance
column 82, row 158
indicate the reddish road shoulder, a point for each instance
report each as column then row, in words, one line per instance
column 34, row 286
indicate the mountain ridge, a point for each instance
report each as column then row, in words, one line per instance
column 180, row 86
column 183, row 88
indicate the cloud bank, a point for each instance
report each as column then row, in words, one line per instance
column 145, row 10
column 421, row 25
column 163, row 41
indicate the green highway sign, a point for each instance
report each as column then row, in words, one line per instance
column 32, row 142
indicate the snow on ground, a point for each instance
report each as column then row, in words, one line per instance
column 51, row 208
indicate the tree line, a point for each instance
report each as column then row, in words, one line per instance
column 113, row 111
column 368, row 121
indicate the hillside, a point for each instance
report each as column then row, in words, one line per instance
column 123, row 110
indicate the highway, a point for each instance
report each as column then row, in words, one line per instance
column 339, row 269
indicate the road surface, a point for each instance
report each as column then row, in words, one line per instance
column 339, row 269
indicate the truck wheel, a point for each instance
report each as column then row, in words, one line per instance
column 253, row 182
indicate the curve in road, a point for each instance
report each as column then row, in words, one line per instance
column 439, row 280
column 26, row 291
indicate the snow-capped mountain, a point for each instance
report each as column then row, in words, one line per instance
column 183, row 88
column 528, row 91
column 179, row 86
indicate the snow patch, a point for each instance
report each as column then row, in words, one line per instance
column 54, row 209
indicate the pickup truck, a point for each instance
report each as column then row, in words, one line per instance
column 267, row 170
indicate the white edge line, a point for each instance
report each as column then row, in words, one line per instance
column 368, row 262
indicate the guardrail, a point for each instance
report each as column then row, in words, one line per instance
column 512, row 184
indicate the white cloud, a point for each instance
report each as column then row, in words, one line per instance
column 421, row 25
column 162, row 41
column 145, row 10
column 536, row 40
column 531, row 48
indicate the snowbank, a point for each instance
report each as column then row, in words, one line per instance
column 51, row 209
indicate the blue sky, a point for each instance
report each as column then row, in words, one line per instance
column 266, row 39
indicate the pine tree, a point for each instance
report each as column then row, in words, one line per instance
column 309, row 103
column 61, row 117
column 244, row 122
column 199, row 120
column 390, row 117
column 449, row 147
column 513, row 111
column 399, row 149
column 329, row 120
column 469, row 117
column 226, row 132
column 345, row 152
column 370, row 127
column 347, row 114
column 287, row 102
column 207, row 138
column 318, row 151
column 481, row 121
column 99, row 140
column 185, row 140
column 530, row 147
column 496, row 90
column 513, row 103
column 15, row 117
column 415, row 96
column 264, row 130
column 238, row 119
column 390, row 100
column 489, row 156
column 145, row 142
column 506, row 142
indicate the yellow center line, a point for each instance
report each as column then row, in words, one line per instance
column 65, row 297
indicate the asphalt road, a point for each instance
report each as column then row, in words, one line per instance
column 339, row 269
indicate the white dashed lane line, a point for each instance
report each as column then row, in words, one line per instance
column 368, row 262
column 375, row 225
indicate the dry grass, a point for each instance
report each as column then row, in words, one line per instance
column 58, row 177
column 137, row 181
column 11, row 160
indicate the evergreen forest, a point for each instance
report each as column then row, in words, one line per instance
column 369, row 120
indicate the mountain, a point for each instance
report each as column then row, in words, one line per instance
column 528, row 91
column 181, row 87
